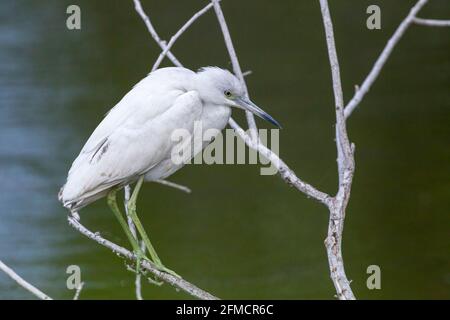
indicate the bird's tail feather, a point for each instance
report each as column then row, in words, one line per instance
column 80, row 201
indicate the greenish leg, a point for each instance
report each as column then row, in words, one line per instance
column 141, row 230
column 112, row 202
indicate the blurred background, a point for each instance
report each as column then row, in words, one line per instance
column 239, row 234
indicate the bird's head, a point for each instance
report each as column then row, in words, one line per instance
column 221, row 87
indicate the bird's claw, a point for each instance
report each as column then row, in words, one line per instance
column 131, row 207
column 163, row 268
column 139, row 257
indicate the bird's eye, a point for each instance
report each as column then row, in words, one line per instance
column 228, row 93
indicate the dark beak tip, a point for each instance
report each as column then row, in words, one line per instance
column 277, row 124
column 274, row 122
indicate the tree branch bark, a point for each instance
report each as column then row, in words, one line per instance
column 153, row 33
column 178, row 34
column 23, row 283
column 346, row 168
column 176, row 282
column 285, row 172
column 235, row 63
column 431, row 22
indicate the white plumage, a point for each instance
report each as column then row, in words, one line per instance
column 134, row 139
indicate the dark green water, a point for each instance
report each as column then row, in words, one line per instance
column 239, row 234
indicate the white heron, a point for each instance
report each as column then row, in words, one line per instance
column 133, row 142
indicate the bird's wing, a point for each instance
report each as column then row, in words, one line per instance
column 134, row 146
column 150, row 97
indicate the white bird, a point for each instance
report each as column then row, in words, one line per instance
column 133, row 142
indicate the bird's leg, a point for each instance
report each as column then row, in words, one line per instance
column 132, row 212
column 112, row 202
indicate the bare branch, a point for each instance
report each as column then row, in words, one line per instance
column 377, row 67
column 176, row 282
column 431, row 22
column 174, row 185
column 345, row 168
column 27, row 286
column 154, row 34
column 178, row 34
column 285, row 172
column 78, row 291
column 235, row 62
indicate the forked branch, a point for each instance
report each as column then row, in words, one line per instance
column 23, row 283
column 346, row 169
column 381, row 60
column 177, row 282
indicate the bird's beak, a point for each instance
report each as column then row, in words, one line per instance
column 246, row 104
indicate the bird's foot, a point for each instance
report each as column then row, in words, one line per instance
column 162, row 268
column 139, row 257
column 158, row 265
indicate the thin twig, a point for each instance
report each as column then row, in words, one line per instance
column 431, row 22
column 235, row 63
column 27, row 286
column 78, row 291
column 151, row 29
column 178, row 34
column 378, row 66
column 174, row 185
column 176, row 282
